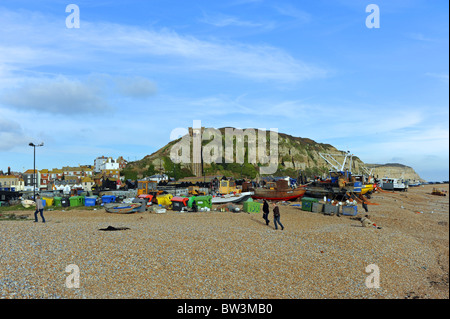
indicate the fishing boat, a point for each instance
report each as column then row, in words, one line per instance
column 393, row 184
column 278, row 191
column 416, row 184
column 337, row 185
column 366, row 181
column 28, row 203
column 321, row 189
column 231, row 198
column 122, row 208
column 340, row 181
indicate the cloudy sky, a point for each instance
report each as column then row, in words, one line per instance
column 136, row 70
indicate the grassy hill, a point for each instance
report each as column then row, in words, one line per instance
column 294, row 154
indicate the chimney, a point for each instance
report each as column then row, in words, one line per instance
column 9, row 170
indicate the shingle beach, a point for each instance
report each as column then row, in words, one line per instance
column 232, row 255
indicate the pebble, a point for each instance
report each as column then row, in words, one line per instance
column 225, row 255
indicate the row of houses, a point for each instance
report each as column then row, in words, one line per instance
column 45, row 179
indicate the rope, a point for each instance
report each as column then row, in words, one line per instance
column 379, row 189
column 361, row 199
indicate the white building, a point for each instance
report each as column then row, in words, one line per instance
column 105, row 163
column 158, row 178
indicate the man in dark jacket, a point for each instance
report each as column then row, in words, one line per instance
column 194, row 206
column 266, row 212
column 276, row 216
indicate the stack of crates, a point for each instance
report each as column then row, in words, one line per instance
column 307, row 203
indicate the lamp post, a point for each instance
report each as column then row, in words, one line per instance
column 34, row 168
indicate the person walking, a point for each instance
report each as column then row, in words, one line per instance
column 276, row 216
column 39, row 208
column 364, row 205
column 194, row 206
column 266, row 212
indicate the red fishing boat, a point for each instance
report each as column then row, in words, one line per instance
column 278, row 191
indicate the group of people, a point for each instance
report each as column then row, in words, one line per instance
column 276, row 214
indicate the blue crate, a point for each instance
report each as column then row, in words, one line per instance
column 108, row 199
column 90, row 201
column 349, row 210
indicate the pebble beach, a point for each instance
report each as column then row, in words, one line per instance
column 212, row 255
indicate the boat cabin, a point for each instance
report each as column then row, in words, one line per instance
column 146, row 187
column 393, row 184
column 228, row 186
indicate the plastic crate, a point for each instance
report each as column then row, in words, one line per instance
column 252, row 207
column 317, row 207
column 307, row 203
column 349, row 210
column 108, row 199
column 329, row 209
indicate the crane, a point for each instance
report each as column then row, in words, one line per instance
column 334, row 163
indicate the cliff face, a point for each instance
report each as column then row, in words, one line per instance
column 294, row 154
column 394, row 170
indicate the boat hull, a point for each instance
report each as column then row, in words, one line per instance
column 28, row 203
column 367, row 188
column 278, row 195
column 232, row 199
column 122, row 208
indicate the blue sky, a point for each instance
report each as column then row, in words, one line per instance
column 136, row 70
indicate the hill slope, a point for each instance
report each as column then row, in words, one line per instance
column 294, row 154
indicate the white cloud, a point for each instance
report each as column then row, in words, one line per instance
column 441, row 76
column 11, row 134
column 136, row 86
column 221, row 20
column 293, row 12
column 420, row 37
column 121, row 44
column 58, row 96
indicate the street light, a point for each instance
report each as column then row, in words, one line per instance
column 34, row 168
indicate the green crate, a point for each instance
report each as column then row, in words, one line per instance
column 307, row 203
column 252, row 207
